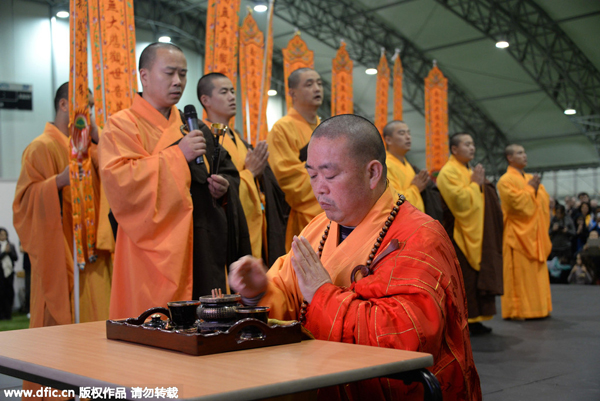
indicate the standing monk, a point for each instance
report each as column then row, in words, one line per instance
column 288, row 141
column 262, row 199
column 401, row 174
column 409, row 295
column 475, row 225
column 526, row 240
column 41, row 210
column 178, row 225
column 43, row 218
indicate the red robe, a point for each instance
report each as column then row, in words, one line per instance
column 414, row 300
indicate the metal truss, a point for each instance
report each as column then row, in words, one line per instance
column 365, row 34
column 541, row 47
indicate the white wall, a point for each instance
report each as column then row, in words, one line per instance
column 25, row 51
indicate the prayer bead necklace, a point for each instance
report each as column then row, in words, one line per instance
column 365, row 269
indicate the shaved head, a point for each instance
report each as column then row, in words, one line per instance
column 510, row 149
column 206, row 85
column 61, row 93
column 149, row 53
column 388, row 130
column 363, row 137
column 294, row 78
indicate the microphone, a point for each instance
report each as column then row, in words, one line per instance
column 191, row 117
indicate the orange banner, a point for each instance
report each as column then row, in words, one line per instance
column 341, row 83
column 381, row 94
column 221, row 51
column 398, row 75
column 251, row 71
column 112, row 34
column 295, row 55
column 79, row 127
column 436, row 120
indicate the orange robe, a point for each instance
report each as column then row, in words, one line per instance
column 287, row 138
column 147, row 184
column 401, row 175
column 526, row 247
column 48, row 237
column 413, row 301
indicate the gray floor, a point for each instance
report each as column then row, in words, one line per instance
column 553, row 359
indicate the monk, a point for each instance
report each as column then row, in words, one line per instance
column 262, row 200
column 179, row 227
column 42, row 209
column 474, row 222
column 43, row 219
column 287, row 142
column 408, row 295
column 401, row 174
column 526, row 240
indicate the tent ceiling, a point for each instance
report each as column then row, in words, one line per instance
column 495, row 90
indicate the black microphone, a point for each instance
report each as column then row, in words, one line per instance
column 191, row 117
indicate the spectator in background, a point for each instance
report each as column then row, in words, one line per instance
column 562, row 230
column 590, row 255
column 583, row 197
column 569, row 205
column 594, row 223
column 593, row 206
column 583, row 210
column 8, row 257
column 580, row 273
column 581, row 235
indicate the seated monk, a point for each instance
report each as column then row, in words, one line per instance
column 409, row 293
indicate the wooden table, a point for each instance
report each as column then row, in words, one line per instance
column 80, row 355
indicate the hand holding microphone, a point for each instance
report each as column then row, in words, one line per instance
column 193, row 145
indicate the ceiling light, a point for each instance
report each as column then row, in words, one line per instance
column 272, row 92
column 165, row 39
column 502, row 44
column 260, row 8
column 62, row 14
column 371, row 71
column 570, row 111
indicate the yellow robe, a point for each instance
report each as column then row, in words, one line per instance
column 465, row 200
column 401, row 175
column 253, row 201
column 147, row 184
column 526, row 246
column 48, row 237
column 288, row 136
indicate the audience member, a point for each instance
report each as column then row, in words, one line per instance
column 581, row 235
column 580, row 274
column 561, row 231
column 8, row 257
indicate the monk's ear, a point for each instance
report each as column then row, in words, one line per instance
column 63, row 105
column 204, row 101
column 292, row 92
column 375, row 173
column 144, row 76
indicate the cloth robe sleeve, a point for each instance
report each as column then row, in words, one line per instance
column 291, row 173
column 145, row 191
column 460, row 198
column 400, row 306
column 517, row 201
